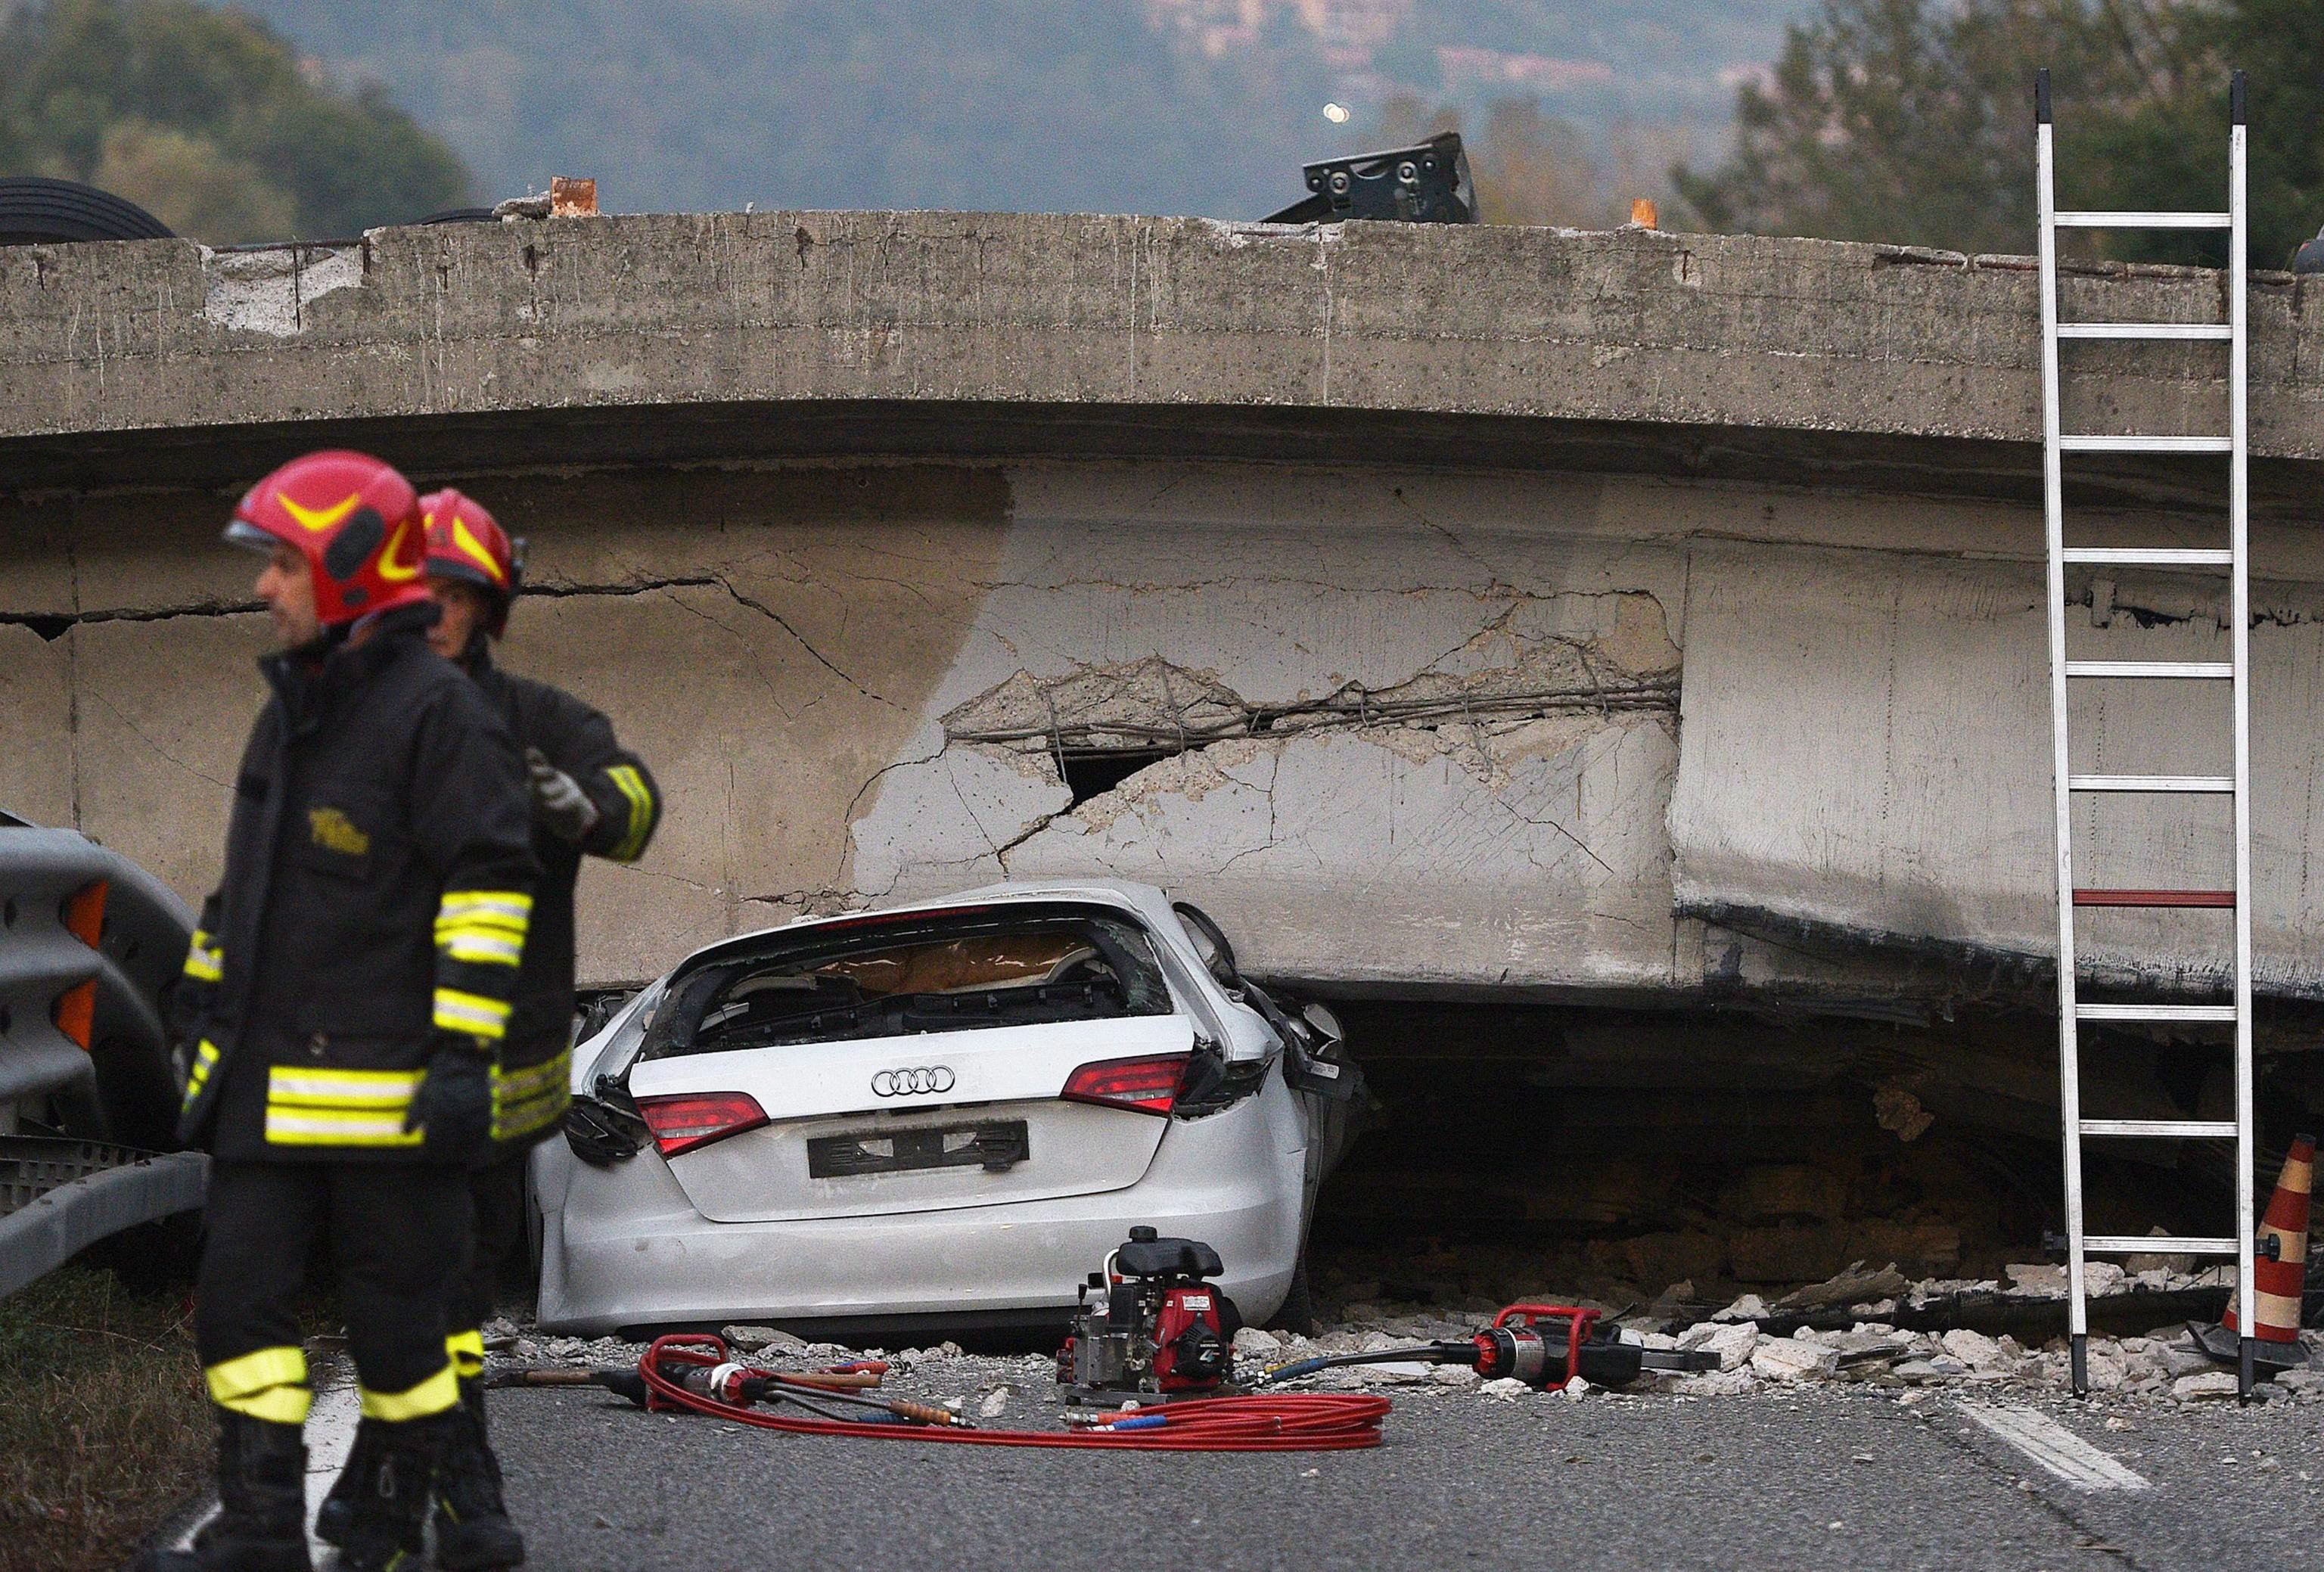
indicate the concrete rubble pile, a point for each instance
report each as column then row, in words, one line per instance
column 2163, row 1366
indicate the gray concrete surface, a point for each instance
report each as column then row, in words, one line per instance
column 1593, row 616
column 1822, row 1479
column 1034, row 311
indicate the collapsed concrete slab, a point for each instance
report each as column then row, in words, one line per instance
column 1621, row 617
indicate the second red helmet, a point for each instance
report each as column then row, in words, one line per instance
column 466, row 543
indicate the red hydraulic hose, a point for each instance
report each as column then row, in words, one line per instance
column 1291, row 1422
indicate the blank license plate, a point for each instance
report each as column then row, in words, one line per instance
column 994, row 1148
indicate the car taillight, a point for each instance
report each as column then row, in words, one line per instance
column 1150, row 1085
column 692, row 1119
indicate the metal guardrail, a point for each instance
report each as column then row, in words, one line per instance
column 62, row 1195
column 91, row 947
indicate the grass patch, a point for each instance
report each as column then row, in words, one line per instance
column 103, row 1424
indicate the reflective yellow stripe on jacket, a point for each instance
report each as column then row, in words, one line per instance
column 333, row 1107
column 631, row 784
column 478, row 932
column 204, row 957
column 532, row 1098
column 206, row 1059
column 485, row 925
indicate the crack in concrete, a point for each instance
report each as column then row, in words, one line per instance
column 53, row 625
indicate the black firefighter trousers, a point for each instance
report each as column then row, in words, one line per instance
column 399, row 1236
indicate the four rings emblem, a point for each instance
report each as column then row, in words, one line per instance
column 906, row 1083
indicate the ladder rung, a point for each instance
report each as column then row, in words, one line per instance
column 2203, row 671
column 2155, row 1012
column 2150, row 556
column 2087, row 219
column 2120, row 443
column 2145, row 330
column 2150, row 783
column 2155, row 1244
column 2173, row 1129
column 2154, row 897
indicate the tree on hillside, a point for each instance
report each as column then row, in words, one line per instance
column 1912, row 121
column 208, row 120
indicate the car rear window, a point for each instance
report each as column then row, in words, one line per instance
column 950, row 972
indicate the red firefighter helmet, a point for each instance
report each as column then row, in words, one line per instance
column 356, row 522
column 466, row 542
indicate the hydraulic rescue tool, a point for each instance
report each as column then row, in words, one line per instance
column 1543, row 1345
column 1152, row 1325
column 1153, row 1342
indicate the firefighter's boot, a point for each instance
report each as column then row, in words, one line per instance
column 473, row 1531
column 337, row 1513
column 262, row 1521
column 387, row 1528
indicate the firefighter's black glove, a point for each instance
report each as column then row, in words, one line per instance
column 558, row 799
column 454, row 1104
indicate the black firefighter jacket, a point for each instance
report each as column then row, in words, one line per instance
column 378, row 889
column 531, row 1090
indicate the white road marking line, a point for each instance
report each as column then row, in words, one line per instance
column 330, row 1432
column 2057, row 1448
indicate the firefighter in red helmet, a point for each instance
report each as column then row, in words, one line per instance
column 589, row 797
column 355, row 970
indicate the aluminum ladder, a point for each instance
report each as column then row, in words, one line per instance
column 2235, row 672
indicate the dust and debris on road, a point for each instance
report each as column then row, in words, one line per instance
column 1820, row 1336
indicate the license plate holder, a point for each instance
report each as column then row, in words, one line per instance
column 994, row 1146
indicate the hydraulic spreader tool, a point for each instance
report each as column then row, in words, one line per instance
column 1542, row 1345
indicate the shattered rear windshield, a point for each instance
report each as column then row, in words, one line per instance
column 949, row 972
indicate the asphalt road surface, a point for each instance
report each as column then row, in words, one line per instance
column 1842, row 1477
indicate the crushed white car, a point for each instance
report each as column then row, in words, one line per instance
column 938, row 1116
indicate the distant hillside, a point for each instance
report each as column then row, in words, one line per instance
column 206, row 119
column 1115, row 106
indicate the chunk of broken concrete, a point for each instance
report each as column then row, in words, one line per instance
column 1748, row 1307
column 1714, row 1383
column 1252, row 1343
column 2207, row 1387
column 1791, row 1359
column 1847, row 1287
column 2177, row 1264
column 1505, row 1388
column 1732, row 1343
column 752, row 1339
column 2036, row 1279
column 1981, row 1354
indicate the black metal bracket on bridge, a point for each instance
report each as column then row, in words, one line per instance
column 1426, row 184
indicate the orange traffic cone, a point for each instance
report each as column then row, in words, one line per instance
column 2276, row 1284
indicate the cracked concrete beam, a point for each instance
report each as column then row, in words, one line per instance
column 1338, row 855
column 36, row 760
column 1394, row 840
column 1867, row 755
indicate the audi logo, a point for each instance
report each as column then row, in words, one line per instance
column 912, row 1082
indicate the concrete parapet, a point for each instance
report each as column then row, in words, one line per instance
column 816, row 329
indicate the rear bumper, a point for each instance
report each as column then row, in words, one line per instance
column 622, row 1247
